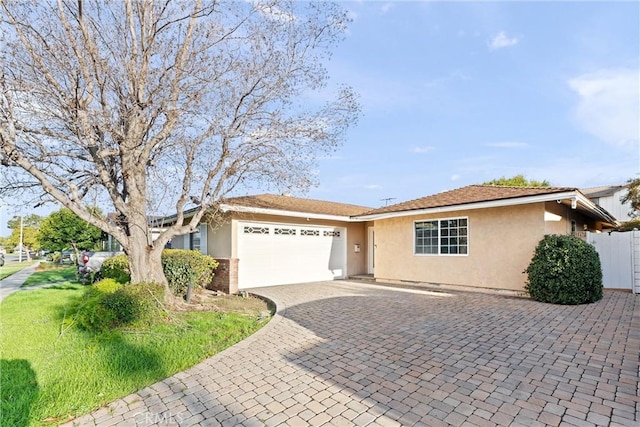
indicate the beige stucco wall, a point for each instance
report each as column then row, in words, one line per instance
column 501, row 243
column 219, row 239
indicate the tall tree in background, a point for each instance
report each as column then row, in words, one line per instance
column 28, row 227
column 518, row 181
column 633, row 194
column 127, row 104
column 63, row 229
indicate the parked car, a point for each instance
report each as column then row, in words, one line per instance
column 92, row 261
column 67, row 256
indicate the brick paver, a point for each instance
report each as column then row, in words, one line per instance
column 345, row 353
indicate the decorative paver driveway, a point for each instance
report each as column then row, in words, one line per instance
column 344, row 353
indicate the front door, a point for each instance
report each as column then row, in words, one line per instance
column 371, row 245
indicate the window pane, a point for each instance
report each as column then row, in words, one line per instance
column 194, row 240
column 426, row 233
column 444, row 236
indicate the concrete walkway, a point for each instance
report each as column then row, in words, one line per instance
column 344, row 353
column 12, row 283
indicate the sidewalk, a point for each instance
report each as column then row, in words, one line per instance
column 13, row 282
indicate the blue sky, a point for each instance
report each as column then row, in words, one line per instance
column 458, row 93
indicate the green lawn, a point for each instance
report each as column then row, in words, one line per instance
column 51, row 371
column 56, row 275
column 10, row 268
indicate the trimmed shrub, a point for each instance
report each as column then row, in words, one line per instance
column 92, row 315
column 564, row 270
column 147, row 298
column 107, row 305
column 106, row 286
column 182, row 267
column 116, row 268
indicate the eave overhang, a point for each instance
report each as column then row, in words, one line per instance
column 575, row 198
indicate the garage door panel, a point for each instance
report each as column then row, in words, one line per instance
column 273, row 254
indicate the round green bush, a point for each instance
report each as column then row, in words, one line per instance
column 106, row 286
column 148, row 309
column 108, row 305
column 117, row 268
column 182, row 267
column 564, row 270
column 92, row 314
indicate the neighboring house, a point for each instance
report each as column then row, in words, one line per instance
column 479, row 236
column 610, row 198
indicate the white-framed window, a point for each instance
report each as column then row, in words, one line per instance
column 194, row 240
column 441, row 236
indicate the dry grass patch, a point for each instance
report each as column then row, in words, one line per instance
column 245, row 304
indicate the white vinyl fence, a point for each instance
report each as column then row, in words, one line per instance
column 620, row 259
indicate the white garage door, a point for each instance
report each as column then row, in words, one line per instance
column 278, row 254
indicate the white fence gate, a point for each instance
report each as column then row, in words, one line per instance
column 620, row 259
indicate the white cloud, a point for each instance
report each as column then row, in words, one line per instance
column 455, row 177
column 373, row 187
column 508, row 144
column 608, row 107
column 502, row 40
column 422, row 150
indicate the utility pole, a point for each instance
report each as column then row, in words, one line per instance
column 21, row 234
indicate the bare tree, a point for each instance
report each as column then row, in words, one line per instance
column 99, row 98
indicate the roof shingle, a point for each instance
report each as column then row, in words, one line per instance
column 467, row 195
column 296, row 204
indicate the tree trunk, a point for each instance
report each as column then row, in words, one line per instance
column 145, row 263
column 77, row 261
